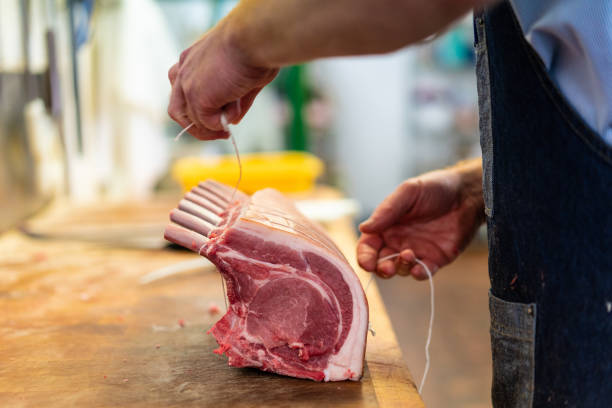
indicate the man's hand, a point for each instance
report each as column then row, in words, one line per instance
column 432, row 217
column 212, row 77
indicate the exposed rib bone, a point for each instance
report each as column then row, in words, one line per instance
column 199, row 211
column 216, row 185
column 218, row 190
column 210, row 197
column 223, row 191
column 184, row 237
column 204, row 203
column 191, row 222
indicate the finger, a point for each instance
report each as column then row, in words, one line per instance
column 177, row 111
column 172, row 73
column 203, row 117
column 184, row 55
column 203, row 131
column 386, row 268
column 392, row 208
column 367, row 251
column 191, row 108
column 232, row 111
column 176, row 107
column 419, row 273
column 405, row 262
column 207, row 134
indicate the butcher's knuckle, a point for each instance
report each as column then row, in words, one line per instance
column 417, row 183
column 202, row 114
column 384, row 209
column 172, row 73
column 172, row 112
column 184, row 55
column 407, row 185
column 191, row 94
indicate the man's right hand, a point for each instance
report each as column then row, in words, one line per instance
column 432, row 217
column 213, row 77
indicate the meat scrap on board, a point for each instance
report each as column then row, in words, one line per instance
column 296, row 307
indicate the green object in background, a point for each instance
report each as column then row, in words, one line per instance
column 297, row 137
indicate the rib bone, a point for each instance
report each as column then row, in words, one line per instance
column 217, row 189
column 210, row 197
column 184, row 237
column 199, row 211
column 191, row 222
column 204, row 203
column 223, row 191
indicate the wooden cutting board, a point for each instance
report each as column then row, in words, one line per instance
column 78, row 328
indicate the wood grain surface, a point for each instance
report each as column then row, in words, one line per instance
column 77, row 328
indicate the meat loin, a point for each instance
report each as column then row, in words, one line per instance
column 296, row 307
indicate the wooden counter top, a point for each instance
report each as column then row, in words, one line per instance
column 78, row 328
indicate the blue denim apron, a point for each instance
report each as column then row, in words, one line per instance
column 548, row 196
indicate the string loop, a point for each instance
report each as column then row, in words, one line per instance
column 431, row 315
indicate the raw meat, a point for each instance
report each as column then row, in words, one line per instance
column 296, row 306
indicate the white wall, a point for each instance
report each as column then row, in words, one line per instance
column 371, row 105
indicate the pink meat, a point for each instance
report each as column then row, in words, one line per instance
column 296, row 306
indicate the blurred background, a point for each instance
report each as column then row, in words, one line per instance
column 84, row 92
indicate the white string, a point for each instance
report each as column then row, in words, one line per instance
column 431, row 315
column 177, row 137
column 221, row 276
column 386, row 258
column 369, row 283
column 431, row 319
column 224, row 291
column 225, row 125
column 370, row 328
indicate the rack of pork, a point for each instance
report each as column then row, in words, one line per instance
column 296, row 307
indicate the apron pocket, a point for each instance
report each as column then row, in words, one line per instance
column 512, row 343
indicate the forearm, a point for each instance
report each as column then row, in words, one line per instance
column 470, row 172
column 274, row 33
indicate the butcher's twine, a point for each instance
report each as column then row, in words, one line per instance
column 431, row 315
column 177, row 137
column 225, row 125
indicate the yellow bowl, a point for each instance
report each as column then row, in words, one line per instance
column 288, row 172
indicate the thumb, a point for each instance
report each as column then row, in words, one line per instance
column 233, row 111
column 392, row 208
